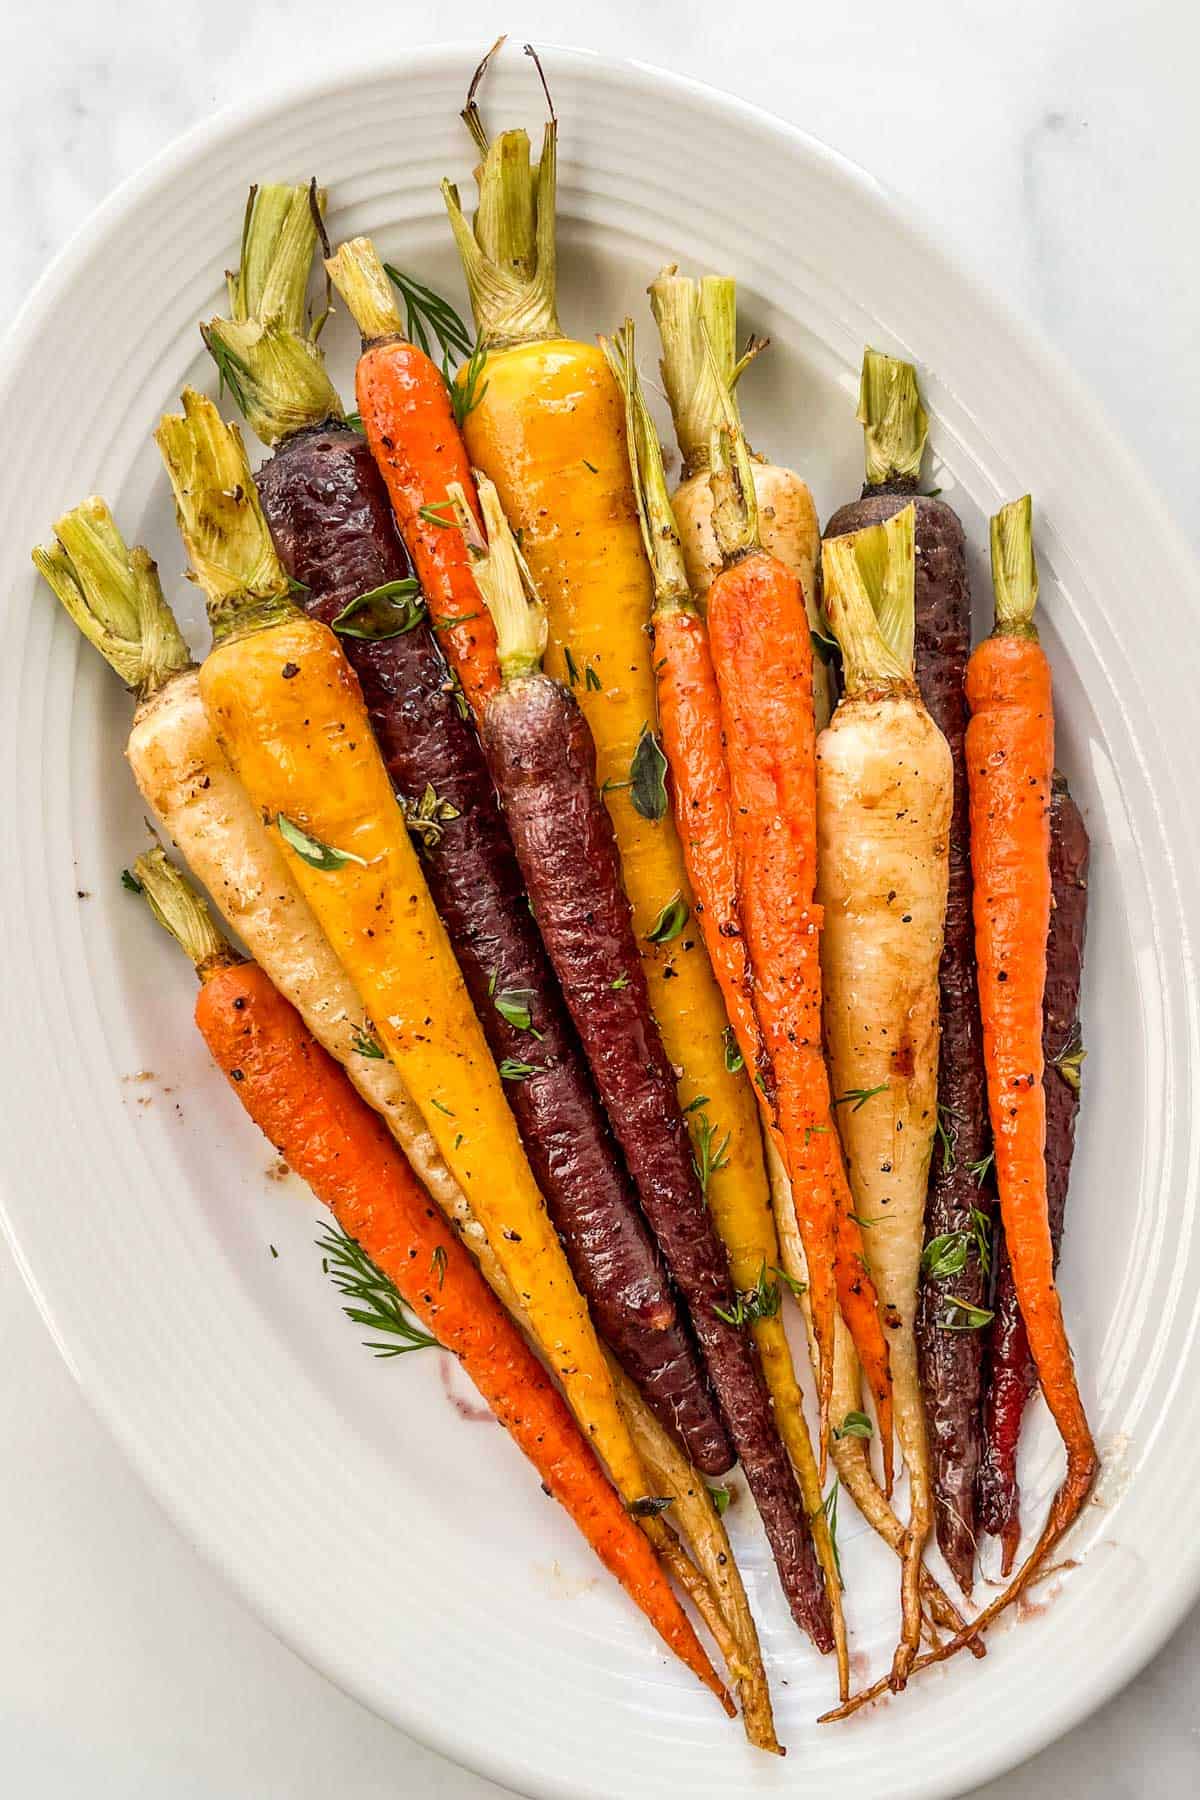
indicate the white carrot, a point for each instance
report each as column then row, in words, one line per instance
column 884, row 790
column 697, row 322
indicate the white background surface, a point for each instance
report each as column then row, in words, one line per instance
column 1055, row 147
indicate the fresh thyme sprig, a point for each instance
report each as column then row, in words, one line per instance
column 762, row 1301
column 377, row 1304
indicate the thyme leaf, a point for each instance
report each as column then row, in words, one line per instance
column 312, row 851
column 734, row 1060
column 515, row 1006
column 856, row 1425
column 670, row 921
column 428, row 817
column 383, row 612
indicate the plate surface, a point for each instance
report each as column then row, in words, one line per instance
column 386, row 1533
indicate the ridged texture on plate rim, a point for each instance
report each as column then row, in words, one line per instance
column 194, row 1401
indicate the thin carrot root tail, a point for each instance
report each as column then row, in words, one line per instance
column 1068, row 1504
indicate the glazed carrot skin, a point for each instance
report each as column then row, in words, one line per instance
column 405, row 408
column 306, row 1107
column 762, row 653
column 409, row 422
column 1010, row 762
column 1012, row 1377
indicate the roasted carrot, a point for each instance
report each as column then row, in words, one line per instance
column 1012, row 1377
column 693, row 737
column 332, row 525
column 884, row 796
column 289, row 714
column 409, row 415
column 959, row 1204
column 1010, row 766
column 1010, row 762
column 301, row 1100
column 543, row 762
column 697, row 323
column 544, row 420
column 762, row 657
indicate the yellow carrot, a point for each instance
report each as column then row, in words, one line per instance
column 545, row 422
column 289, row 714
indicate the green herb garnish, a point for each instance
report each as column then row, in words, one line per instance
column 377, row 1303
column 428, row 817
column 512, row 1070
column 720, row 1497
column 670, row 921
column 734, row 1060
column 130, row 881
column 363, row 1044
column 312, row 851
column 960, row 1315
column 708, row 1156
column 856, row 1425
column 860, row 1096
column 647, row 775
column 514, row 1005
column 383, row 612
column 425, row 312
column 466, row 394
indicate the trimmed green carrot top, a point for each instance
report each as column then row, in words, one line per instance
column 894, row 422
column 869, row 591
column 266, row 351
column 508, row 251
column 1014, row 569
column 221, row 519
column 504, row 581
column 114, row 596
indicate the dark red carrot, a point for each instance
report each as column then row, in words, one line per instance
column 305, row 1105
column 329, row 515
column 542, row 757
column 1011, row 1376
column 961, row 1196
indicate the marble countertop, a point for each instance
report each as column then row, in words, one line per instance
column 1051, row 143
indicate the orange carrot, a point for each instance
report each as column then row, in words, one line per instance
column 1010, row 769
column 303, row 1102
column 1010, row 764
column 412, row 429
column 762, row 657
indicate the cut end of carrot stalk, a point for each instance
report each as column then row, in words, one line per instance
column 114, row 596
column 1014, row 569
column 220, row 519
column 180, row 910
column 697, row 326
column 735, row 504
column 360, row 278
column 660, row 535
column 504, row 581
column 869, row 582
column 509, row 255
column 894, row 422
column 266, row 352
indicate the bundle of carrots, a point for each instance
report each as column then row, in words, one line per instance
column 656, row 917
